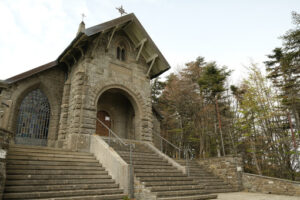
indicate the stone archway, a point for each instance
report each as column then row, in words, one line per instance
column 140, row 101
column 117, row 110
column 18, row 96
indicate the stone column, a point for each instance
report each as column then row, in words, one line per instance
column 4, row 142
column 78, row 137
column 63, row 121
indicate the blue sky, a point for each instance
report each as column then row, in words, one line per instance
column 230, row 32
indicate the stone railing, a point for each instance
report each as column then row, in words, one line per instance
column 229, row 168
column 270, row 185
column 4, row 142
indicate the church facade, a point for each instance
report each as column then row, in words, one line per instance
column 101, row 80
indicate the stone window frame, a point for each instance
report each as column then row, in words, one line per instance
column 121, row 52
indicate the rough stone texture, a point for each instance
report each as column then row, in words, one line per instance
column 4, row 142
column 269, row 185
column 253, row 196
column 157, row 141
column 229, row 168
column 95, row 73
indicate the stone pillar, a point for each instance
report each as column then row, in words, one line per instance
column 78, row 137
column 63, row 121
column 4, row 142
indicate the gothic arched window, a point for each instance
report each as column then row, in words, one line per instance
column 121, row 53
column 33, row 119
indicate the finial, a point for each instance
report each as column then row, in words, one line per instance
column 121, row 10
column 82, row 17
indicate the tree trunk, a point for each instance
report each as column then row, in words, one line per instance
column 220, row 125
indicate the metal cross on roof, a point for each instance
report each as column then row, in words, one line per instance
column 121, row 10
column 83, row 16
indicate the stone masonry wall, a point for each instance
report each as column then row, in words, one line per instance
column 229, row 168
column 157, row 141
column 4, row 142
column 270, row 185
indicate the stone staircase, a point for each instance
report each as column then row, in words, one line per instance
column 212, row 183
column 48, row 173
column 160, row 177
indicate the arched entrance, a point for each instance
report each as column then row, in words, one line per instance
column 116, row 109
column 33, row 119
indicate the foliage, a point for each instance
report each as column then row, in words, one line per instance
column 258, row 118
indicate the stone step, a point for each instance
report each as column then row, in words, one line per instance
column 180, row 193
column 56, row 163
column 205, row 177
column 169, row 170
column 225, row 186
column 137, row 154
column 53, row 167
column 166, row 167
column 219, row 190
column 199, row 172
column 210, row 181
column 36, row 188
column 157, row 174
column 94, row 197
column 142, row 158
column 58, row 182
column 176, row 188
column 41, row 158
column 165, row 179
column 194, row 197
column 142, row 155
column 137, row 162
column 55, row 177
column 51, row 155
column 57, row 172
column 68, row 193
column 146, row 162
column 170, row 183
column 38, row 149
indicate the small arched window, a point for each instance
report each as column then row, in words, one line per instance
column 121, row 53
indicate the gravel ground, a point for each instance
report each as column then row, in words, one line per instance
column 253, row 196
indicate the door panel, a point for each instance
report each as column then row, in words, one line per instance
column 105, row 118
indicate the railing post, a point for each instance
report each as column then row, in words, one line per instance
column 179, row 154
column 109, row 135
column 161, row 144
column 131, row 179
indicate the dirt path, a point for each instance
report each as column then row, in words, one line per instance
column 253, row 196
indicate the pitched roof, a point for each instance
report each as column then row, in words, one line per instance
column 134, row 30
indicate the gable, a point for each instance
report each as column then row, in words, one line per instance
column 134, row 30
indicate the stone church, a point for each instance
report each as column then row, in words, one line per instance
column 105, row 72
column 63, row 114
